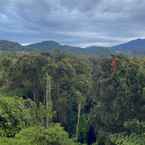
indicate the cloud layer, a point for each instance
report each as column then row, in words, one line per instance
column 76, row 22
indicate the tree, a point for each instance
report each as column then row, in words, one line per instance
column 14, row 115
column 80, row 101
column 54, row 135
column 48, row 99
column 17, row 113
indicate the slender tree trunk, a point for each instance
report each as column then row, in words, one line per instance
column 78, row 121
column 34, row 96
column 48, row 102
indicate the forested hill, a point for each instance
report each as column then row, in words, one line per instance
column 49, row 46
column 92, row 50
column 131, row 48
column 69, row 100
column 10, row 46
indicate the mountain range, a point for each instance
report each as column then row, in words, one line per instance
column 47, row 46
column 133, row 48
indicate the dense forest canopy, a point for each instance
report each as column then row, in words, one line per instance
column 59, row 99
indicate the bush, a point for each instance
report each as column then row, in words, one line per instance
column 54, row 135
column 132, row 139
column 17, row 113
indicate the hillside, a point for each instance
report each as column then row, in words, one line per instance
column 10, row 46
column 49, row 46
column 134, row 47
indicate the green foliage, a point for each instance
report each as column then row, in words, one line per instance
column 128, row 140
column 14, row 115
column 119, row 98
column 54, row 135
column 83, row 90
column 83, row 128
column 17, row 113
column 135, row 126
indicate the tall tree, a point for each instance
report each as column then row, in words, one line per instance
column 48, row 99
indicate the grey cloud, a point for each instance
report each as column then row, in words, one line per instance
column 78, row 22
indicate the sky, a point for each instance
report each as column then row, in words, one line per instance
column 73, row 22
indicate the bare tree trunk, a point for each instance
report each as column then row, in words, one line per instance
column 48, row 101
column 78, row 121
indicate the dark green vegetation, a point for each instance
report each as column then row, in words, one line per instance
column 63, row 100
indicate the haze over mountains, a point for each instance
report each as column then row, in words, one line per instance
column 134, row 47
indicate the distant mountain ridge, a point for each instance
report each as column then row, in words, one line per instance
column 134, row 48
column 10, row 46
column 47, row 46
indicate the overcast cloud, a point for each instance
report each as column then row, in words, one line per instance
column 75, row 22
